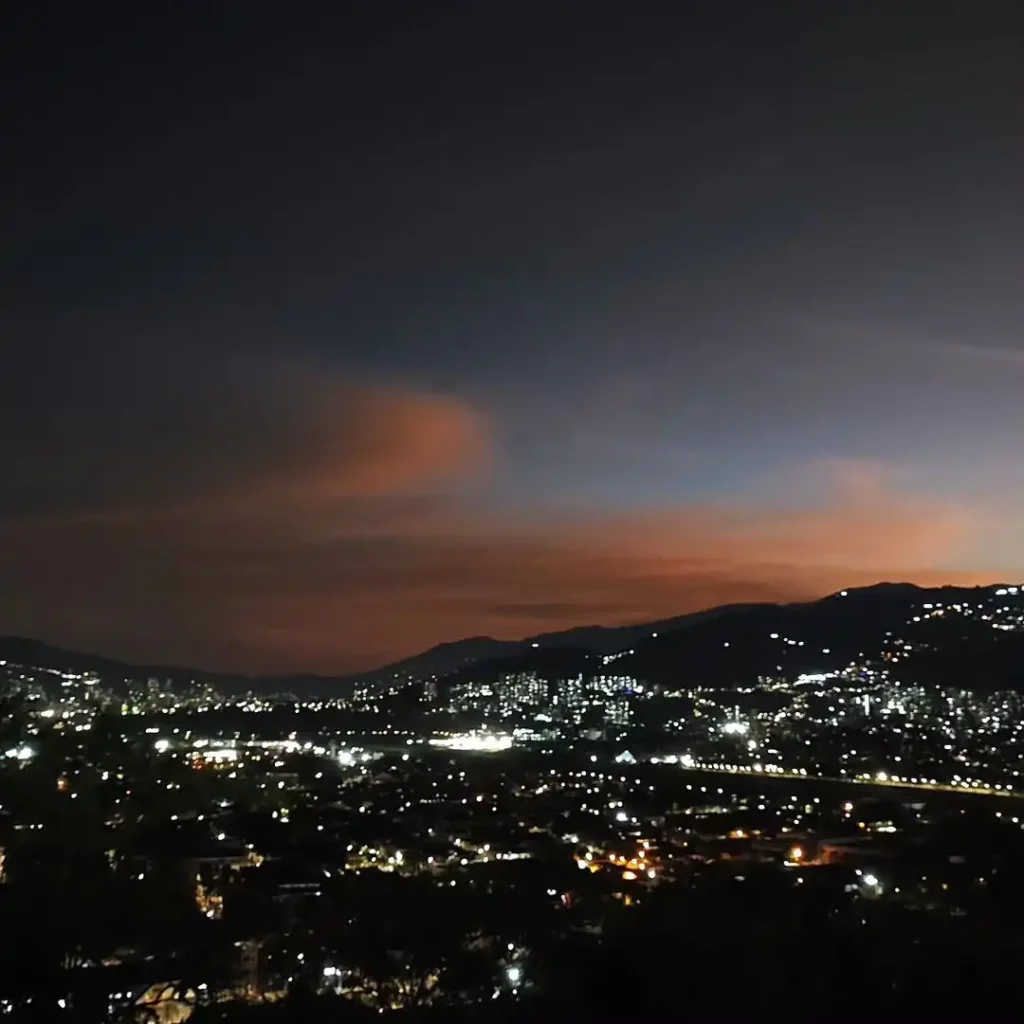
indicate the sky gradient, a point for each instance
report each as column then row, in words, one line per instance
column 336, row 335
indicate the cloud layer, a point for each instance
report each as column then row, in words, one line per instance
column 261, row 518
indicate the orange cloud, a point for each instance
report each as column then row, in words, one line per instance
column 260, row 517
column 352, row 442
column 335, row 563
column 186, row 436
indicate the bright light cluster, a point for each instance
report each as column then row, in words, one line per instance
column 474, row 741
column 736, row 728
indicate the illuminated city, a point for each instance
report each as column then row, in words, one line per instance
column 613, row 791
column 512, row 514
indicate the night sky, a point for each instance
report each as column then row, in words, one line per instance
column 334, row 332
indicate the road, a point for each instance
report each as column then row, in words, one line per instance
column 874, row 781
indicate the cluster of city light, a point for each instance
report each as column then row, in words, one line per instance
column 218, row 755
column 603, row 701
column 474, row 741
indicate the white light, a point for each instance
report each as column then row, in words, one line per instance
column 474, row 741
column 871, row 880
column 514, row 975
column 161, row 745
column 220, row 754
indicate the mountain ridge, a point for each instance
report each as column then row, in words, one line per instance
column 452, row 656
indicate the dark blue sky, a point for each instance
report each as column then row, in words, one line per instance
column 531, row 276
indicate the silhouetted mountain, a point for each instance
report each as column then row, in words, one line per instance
column 734, row 646
column 445, row 658
column 729, row 645
column 21, row 650
column 550, row 662
column 17, row 650
column 458, row 655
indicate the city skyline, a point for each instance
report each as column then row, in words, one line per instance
column 336, row 339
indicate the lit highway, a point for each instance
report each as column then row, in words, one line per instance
column 880, row 779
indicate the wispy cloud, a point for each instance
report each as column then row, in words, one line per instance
column 307, row 523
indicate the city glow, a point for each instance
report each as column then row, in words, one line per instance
column 736, row 728
column 475, row 741
column 219, row 755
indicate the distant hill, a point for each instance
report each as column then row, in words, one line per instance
column 456, row 656
column 732, row 646
column 19, row 650
column 729, row 645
